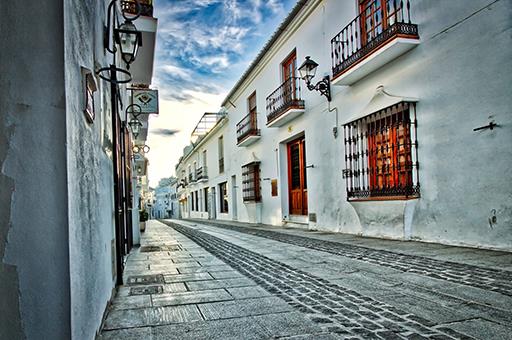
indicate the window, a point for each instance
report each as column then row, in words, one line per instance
column 221, row 154
column 223, row 197
column 192, row 202
column 251, row 103
column 381, row 154
column 205, row 197
column 197, row 201
column 251, row 182
column 89, row 88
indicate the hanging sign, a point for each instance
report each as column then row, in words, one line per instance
column 146, row 99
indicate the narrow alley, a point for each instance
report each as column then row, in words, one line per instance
column 201, row 280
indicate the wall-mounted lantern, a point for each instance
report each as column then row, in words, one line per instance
column 307, row 72
column 135, row 126
column 129, row 41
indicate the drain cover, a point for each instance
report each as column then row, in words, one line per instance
column 147, row 249
column 145, row 290
column 145, row 279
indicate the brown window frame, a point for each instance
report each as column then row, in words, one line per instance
column 251, row 190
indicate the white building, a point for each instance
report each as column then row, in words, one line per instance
column 165, row 205
column 395, row 153
column 66, row 175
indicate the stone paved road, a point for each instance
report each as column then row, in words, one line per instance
column 234, row 283
column 495, row 280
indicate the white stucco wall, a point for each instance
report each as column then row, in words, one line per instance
column 460, row 74
column 89, row 167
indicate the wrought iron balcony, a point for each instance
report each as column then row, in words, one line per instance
column 247, row 131
column 285, row 103
column 191, row 177
column 375, row 28
column 130, row 6
column 201, row 173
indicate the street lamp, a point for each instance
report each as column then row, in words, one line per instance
column 307, row 72
column 129, row 41
column 135, row 126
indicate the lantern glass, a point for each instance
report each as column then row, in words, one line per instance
column 135, row 126
column 308, row 69
column 129, row 40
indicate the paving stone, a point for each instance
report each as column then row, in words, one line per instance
column 202, row 269
column 247, row 292
column 117, row 319
column 240, row 308
column 287, row 324
column 185, row 298
column 215, row 284
column 226, row 274
column 130, row 302
column 187, row 277
column 127, row 334
column 230, row 329
column 174, row 287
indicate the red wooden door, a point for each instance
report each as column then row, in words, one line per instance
column 373, row 19
column 297, row 181
column 289, row 66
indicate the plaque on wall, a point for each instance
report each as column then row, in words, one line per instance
column 146, row 99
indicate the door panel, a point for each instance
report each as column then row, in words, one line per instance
column 297, row 182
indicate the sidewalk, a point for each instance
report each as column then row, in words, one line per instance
column 176, row 290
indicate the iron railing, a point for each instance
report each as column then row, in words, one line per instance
column 379, row 22
column 251, row 191
column 191, row 177
column 130, row 6
column 248, row 126
column 201, row 173
column 285, row 97
column 381, row 154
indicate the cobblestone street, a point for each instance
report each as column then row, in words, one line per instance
column 198, row 280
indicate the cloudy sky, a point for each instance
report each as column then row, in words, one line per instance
column 202, row 49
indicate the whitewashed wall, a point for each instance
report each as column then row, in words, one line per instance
column 460, row 73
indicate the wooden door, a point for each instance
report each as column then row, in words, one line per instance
column 373, row 19
column 297, row 181
column 289, row 67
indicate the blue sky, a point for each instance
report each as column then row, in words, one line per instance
column 202, row 49
column 205, row 45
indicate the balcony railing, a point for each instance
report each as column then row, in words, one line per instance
column 285, row 97
column 201, row 173
column 248, row 126
column 130, row 6
column 191, row 178
column 377, row 24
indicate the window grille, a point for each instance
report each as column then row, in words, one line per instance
column 381, row 154
column 251, row 182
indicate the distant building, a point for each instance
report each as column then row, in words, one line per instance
column 165, row 202
column 407, row 149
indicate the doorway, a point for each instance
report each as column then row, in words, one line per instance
column 297, row 181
